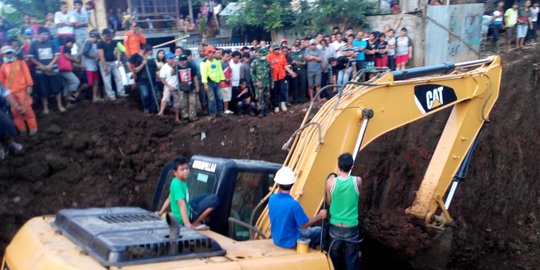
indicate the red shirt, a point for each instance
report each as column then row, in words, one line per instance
column 278, row 62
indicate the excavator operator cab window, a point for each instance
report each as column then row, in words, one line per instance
column 249, row 190
column 200, row 182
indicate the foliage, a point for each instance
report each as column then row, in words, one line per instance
column 268, row 14
column 305, row 17
column 38, row 8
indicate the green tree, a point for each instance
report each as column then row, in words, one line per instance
column 341, row 12
column 305, row 17
column 38, row 8
column 268, row 14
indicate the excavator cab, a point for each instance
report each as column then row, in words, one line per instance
column 239, row 184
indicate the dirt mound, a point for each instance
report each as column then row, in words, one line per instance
column 112, row 154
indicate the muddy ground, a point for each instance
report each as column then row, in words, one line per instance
column 111, row 155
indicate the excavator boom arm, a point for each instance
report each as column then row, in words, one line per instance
column 471, row 90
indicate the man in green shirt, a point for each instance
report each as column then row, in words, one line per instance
column 343, row 195
column 189, row 213
column 510, row 21
column 211, row 75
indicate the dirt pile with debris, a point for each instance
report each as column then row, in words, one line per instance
column 112, row 154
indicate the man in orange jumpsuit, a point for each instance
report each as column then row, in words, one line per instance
column 134, row 40
column 14, row 74
column 278, row 63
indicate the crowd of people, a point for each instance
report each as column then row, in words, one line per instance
column 519, row 23
column 60, row 62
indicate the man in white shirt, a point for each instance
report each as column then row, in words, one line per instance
column 338, row 45
column 64, row 22
column 80, row 16
column 234, row 65
column 169, row 77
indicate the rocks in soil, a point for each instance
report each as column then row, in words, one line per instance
column 54, row 129
column 34, row 170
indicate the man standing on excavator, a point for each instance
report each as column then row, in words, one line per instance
column 343, row 196
column 288, row 220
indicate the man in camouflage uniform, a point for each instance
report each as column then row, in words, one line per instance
column 188, row 89
column 262, row 79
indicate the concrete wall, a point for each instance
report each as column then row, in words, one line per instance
column 414, row 26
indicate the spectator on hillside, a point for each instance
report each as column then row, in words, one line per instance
column 28, row 39
column 326, row 69
column 338, row 44
column 298, row 62
column 15, row 75
column 524, row 22
column 169, row 78
column 497, row 24
column 225, row 86
column 7, row 128
column 381, row 51
column 25, row 23
column 80, row 25
column 235, row 64
column 391, row 40
column 64, row 21
column 110, row 60
column 88, row 7
column 5, row 26
column 34, row 24
column 404, row 49
column 44, row 55
column 280, row 68
column 160, row 62
column 144, row 73
column 245, row 72
column 245, row 104
column 314, row 58
column 360, row 44
column 196, row 63
column 90, row 61
column 65, row 65
column 535, row 9
column 49, row 23
column 510, row 21
column 134, row 39
column 370, row 51
column 113, row 20
column 189, row 88
column 211, row 75
column 262, row 79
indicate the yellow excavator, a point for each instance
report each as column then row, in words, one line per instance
column 134, row 238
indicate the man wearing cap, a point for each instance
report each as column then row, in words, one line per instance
column 288, row 221
column 211, row 75
column 314, row 57
column 189, row 89
column 144, row 72
column 262, row 79
column 280, row 68
column 15, row 75
column 44, row 54
column 169, row 78
column 110, row 60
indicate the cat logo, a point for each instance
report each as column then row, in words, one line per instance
column 429, row 97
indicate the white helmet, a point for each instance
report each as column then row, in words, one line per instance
column 285, row 176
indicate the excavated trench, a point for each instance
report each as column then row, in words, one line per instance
column 111, row 155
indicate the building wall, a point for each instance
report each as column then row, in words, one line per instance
column 414, row 25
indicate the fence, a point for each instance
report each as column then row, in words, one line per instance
column 453, row 33
column 231, row 46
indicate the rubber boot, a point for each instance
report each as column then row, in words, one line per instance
column 283, row 106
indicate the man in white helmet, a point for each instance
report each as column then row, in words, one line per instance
column 288, row 220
